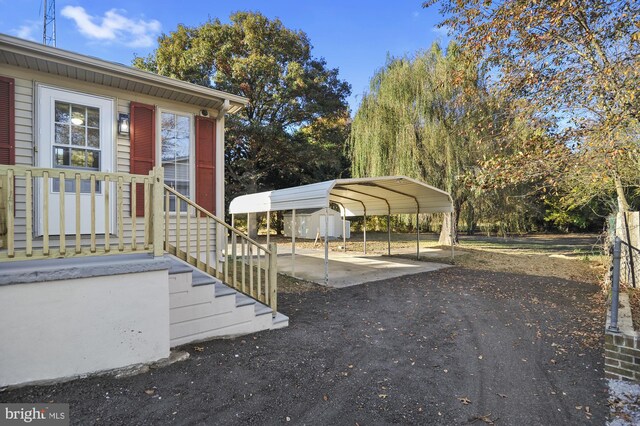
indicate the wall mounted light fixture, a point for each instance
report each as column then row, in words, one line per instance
column 123, row 124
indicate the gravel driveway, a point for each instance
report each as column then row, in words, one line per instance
column 455, row 346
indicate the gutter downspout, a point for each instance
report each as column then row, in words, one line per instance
column 221, row 239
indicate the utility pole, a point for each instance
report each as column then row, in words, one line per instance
column 49, row 23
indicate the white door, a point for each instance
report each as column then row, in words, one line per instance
column 75, row 133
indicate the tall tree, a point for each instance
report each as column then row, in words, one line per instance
column 268, row 144
column 576, row 63
column 428, row 117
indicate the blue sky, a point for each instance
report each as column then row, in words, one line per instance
column 354, row 36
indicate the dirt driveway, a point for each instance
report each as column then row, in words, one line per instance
column 448, row 347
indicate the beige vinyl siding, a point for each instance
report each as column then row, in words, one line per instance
column 26, row 140
column 24, row 108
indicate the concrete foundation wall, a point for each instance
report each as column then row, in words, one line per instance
column 67, row 328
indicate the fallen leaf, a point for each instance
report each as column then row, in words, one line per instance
column 486, row 418
column 464, row 400
column 382, row 395
column 198, row 348
column 150, row 391
column 501, row 395
column 325, row 397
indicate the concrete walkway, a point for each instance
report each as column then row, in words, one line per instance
column 349, row 269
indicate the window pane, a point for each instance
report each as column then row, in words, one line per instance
column 168, row 121
column 93, row 159
column 93, row 138
column 62, row 112
column 77, row 158
column 77, row 135
column 93, row 117
column 62, row 134
column 182, row 127
column 168, row 151
column 182, row 148
column 182, row 170
column 60, row 156
column 78, row 115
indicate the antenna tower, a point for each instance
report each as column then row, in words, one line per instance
column 49, row 23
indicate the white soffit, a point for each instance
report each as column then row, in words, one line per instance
column 375, row 196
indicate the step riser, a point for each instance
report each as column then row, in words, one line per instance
column 238, row 329
column 197, row 313
column 210, row 324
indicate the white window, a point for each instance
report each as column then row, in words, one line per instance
column 175, row 131
column 76, row 144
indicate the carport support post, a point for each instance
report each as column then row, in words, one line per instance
column 326, row 246
column 293, row 242
column 364, row 229
column 418, row 235
column 453, row 254
column 268, row 227
column 344, row 229
column 389, row 233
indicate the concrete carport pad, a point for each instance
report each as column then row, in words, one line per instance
column 347, row 270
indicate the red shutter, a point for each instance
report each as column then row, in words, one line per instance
column 143, row 145
column 206, row 163
column 7, row 121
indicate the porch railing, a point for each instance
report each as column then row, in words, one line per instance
column 18, row 184
column 242, row 263
column 183, row 228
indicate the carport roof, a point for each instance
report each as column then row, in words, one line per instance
column 359, row 196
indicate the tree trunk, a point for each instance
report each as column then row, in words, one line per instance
column 623, row 204
column 471, row 220
column 445, row 233
column 252, row 226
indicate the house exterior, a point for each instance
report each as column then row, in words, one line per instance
column 112, row 182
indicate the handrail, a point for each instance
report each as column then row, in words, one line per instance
column 215, row 218
column 260, row 282
column 84, row 174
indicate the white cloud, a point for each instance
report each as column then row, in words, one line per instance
column 114, row 26
column 28, row 30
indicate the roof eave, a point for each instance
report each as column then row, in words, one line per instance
column 65, row 57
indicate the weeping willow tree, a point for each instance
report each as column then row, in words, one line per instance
column 429, row 117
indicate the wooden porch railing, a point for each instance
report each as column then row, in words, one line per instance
column 190, row 232
column 247, row 266
column 37, row 180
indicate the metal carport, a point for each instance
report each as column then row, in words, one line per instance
column 385, row 195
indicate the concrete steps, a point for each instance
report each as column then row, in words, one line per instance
column 201, row 307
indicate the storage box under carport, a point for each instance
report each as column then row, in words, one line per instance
column 310, row 224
